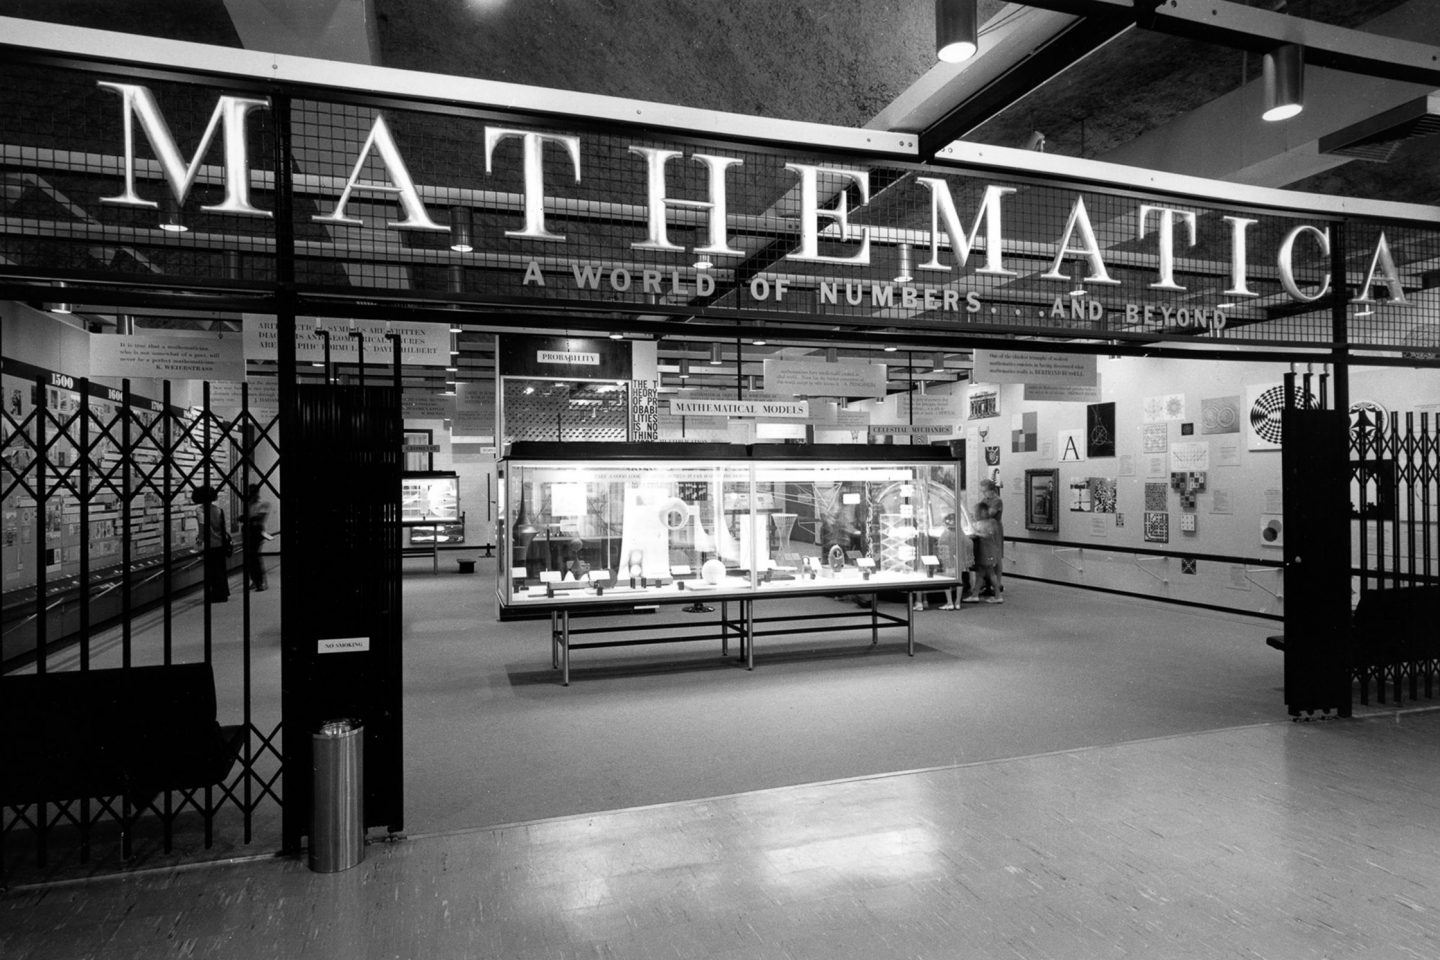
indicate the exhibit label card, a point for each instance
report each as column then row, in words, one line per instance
column 1015, row 366
column 811, row 378
column 799, row 409
column 212, row 356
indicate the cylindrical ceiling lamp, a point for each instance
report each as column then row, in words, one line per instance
column 460, row 229
column 170, row 220
column 832, row 354
column 937, row 362
column 684, row 368
column 906, row 272
column 1284, row 69
column 715, row 358
column 957, row 30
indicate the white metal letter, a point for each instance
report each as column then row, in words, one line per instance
column 942, row 204
column 1167, row 240
column 402, row 187
column 532, row 148
column 1238, row 265
column 810, row 213
column 1384, row 262
column 1287, row 264
column 229, row 115
column 1091, row 251
column 658, row 238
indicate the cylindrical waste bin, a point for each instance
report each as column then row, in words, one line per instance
column 337, row 815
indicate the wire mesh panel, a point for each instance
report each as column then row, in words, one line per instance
column 110, row 177
column 163, row 178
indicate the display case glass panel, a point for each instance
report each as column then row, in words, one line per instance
column 429, row 498
column 606, row 527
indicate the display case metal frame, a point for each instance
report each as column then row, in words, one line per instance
column 752, row 585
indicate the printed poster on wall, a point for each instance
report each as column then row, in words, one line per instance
column 1163, row 409
column 1024, row 433
column 1071, row 444
column 168, row 356
column 1190, row 455
column 1219, row 415
column 984, row 402
column 1100, row 427
column 1154, row 437
column 1264, row 404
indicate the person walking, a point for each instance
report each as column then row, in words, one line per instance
column 990, row 497
column 214, row 540
column 987, row 553
column 257, row 522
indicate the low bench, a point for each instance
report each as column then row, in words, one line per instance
column 133, row 732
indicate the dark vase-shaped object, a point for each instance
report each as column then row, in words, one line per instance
column 520, row 535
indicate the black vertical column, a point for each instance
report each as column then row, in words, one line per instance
column 342, row 642
column 1315, row 486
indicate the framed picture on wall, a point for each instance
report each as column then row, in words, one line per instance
column 1041, row 498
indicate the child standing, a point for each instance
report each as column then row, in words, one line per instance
column 987, row 554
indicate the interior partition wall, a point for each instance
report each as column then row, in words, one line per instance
column 307, row 190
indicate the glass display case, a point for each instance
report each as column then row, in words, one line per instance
column 430, row 507
column 655, row 522
column 429, row 497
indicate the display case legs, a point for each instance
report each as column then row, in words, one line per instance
column 724, row 628
column 749, row 638
column 565, row 647
column 875, row 619
column 554, row 639
column 909, row 627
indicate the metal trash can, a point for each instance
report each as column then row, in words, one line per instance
column 337, row 813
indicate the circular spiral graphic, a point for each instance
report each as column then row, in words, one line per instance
column 1265, row 414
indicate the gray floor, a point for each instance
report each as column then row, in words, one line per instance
column 492, row 737
column 1276, row 840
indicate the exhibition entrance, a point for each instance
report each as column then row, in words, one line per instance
column 372, row 303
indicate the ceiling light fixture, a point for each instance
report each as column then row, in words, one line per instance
column 957, row 30
column 906, row 273
column 460, row 229
column 891, row 349
column 617, row 335
column 684, row 367
column 759, row 342
column 832, row 354
column 715, row 358
column 1284, row 72
column 703, row 262
column 937, row 362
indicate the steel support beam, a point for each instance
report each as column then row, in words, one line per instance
column 1233, row 24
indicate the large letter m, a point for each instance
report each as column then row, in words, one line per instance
column 229, row 116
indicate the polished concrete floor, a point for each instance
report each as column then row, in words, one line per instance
column 1277, row 840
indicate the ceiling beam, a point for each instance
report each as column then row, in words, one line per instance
column 1066, row 46
column 1230, row 23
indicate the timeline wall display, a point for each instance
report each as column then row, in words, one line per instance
column 62, row 531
